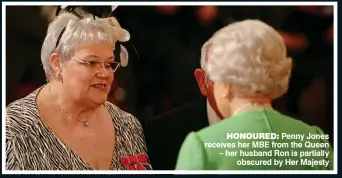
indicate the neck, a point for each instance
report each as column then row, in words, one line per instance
column 67, row 104
column 212, row 116
column 245, row 104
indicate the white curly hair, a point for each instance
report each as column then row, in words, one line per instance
column 78, row 32
column 251, row 56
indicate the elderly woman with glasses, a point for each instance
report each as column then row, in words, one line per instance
column 67, row 124
column 247, row 64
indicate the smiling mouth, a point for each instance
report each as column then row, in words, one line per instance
column 100, row 86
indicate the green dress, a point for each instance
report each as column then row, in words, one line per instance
column 259, row 139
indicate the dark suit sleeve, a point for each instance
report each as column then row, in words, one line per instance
column 166, row 133
column 151, row 135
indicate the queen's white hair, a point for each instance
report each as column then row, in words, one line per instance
column 251, row 56
column 78, row 32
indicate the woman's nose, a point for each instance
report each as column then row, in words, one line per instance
column 104, row 73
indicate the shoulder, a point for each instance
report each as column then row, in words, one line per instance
column 192, row 155
column 182, row 114
column 193, row 139
column 256, row 121
column 19, row 106
column 122, row 117
column 22, row 103
column 281, row 120
column 21, row 115
column 130, row 132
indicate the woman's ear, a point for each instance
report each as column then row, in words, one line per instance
column 55, row 62
column 199, row 75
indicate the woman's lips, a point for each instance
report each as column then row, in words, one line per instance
column 102, row 87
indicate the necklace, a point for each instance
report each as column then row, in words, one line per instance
column 247, row 104
column 84, row 123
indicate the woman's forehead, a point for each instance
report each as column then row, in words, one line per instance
column 95, row 47
column 95, row 50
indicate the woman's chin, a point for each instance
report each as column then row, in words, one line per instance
column 99, row 100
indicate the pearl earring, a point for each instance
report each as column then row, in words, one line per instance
column 59, row 76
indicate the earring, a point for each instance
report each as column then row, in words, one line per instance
column 59, row 76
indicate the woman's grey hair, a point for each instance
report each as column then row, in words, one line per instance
column 251, row 56
column 78, row 32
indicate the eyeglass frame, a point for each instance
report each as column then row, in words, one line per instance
column 103, row 64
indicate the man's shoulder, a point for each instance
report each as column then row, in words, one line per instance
column 182, row 114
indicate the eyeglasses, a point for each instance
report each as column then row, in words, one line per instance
column 96, row 65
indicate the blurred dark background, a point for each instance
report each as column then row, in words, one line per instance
column 165, row 50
